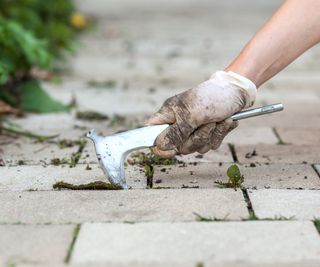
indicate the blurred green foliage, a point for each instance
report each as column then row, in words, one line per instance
column 32, row 34
column 49, row 20
column 19, row 51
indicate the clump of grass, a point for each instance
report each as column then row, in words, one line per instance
column 236, row 179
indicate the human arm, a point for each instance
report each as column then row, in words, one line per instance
column 294, row 28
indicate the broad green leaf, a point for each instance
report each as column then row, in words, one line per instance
column 233, row 172
column 35, row 99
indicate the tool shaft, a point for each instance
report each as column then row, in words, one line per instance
column 257, row 112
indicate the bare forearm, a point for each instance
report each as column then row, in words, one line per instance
column 293, row 29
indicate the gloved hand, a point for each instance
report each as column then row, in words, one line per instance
column 198, row 117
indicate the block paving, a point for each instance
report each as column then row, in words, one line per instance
column 143, row 53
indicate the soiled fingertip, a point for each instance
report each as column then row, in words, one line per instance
column 204, row 149
column 168, row 139
column 155, row 119
column 159, row 118
column 168, row 154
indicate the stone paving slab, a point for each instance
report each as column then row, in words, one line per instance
column 300, row 136
column 291, row 154
column 34, row 244
column 317, row 168
column 297, row 115
column 189, row 243
column 280, row 176
column 200, row 175
column 63, row 124
column 272, row 93
column 119, row 206
column 250, row 136
column 23, row 151
column 304, row 263
column 300, row 204
column 203, row 175
column 38, row 177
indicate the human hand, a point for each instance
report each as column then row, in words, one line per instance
column 198, row 117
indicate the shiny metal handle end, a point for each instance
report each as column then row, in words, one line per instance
column 257, row 111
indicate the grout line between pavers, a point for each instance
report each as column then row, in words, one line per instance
column 315, row 169
column 73, row 241
column 316, row 223
column 280, row 140
column 252, row 215
column 233, row 152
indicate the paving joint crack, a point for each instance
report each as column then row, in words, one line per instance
column 233, row 153
column 73, row 241
column 252, row 214
column 315, row 169
column 280, row 140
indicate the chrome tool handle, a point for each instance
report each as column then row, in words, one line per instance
column 257, row 111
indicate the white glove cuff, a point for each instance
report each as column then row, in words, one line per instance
column 239, row 81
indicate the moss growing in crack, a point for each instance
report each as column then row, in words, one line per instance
column 74, row 238
column 201, row 218
column 316, row 222
column 149, row 172
column 117, row 120
column 91, row 115
column 57, row 161
column 97, row 185
column 253, row 217
column 64, row 143
column 161, row 187
column 236, row 179
column 75, row 157
column 102, row 84
column 147, row 161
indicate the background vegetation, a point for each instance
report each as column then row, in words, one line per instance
column 33, row 35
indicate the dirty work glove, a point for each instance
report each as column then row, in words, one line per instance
column 198, row 117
